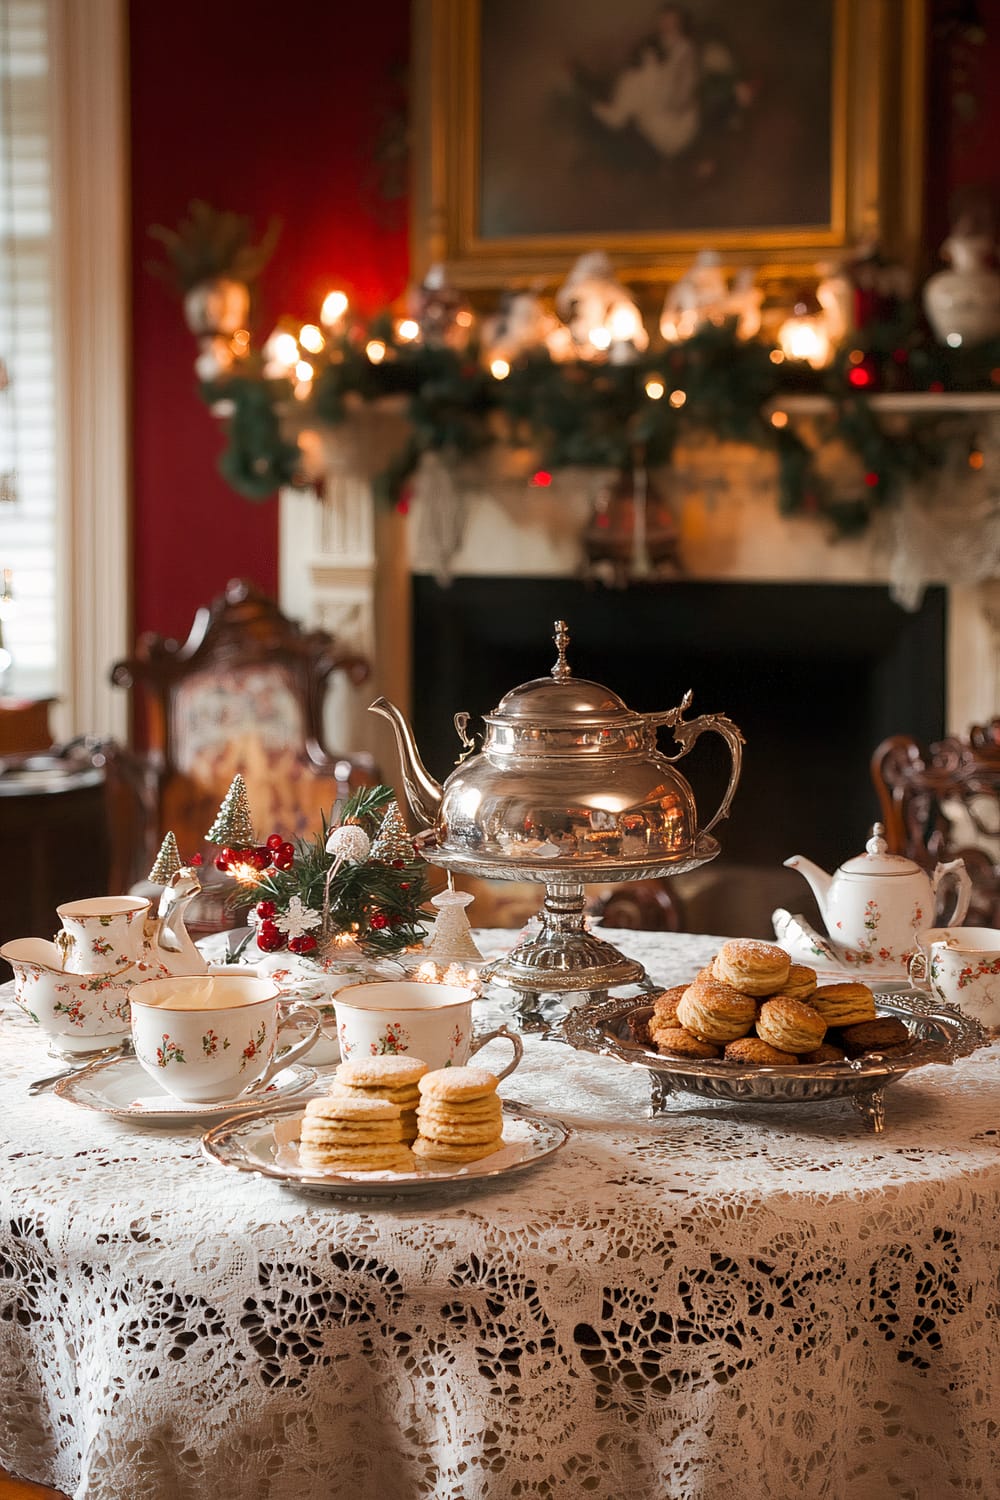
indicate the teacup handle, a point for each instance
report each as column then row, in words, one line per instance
column 287, row 1013
column 509, row 1036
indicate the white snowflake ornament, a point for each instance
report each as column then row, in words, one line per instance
column 298, row 919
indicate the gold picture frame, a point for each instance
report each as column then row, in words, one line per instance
column 873, row 170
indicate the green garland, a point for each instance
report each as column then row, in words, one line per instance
column 377, row 904
column 598, row 414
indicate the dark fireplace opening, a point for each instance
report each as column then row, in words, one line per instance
column 815, row 675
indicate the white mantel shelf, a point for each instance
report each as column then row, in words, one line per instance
column 347, row 567
column 897, row 403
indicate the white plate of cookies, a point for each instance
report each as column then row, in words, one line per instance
column 388, row 1125
column 755, row 1027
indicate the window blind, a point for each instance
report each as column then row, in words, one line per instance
column 28, row 516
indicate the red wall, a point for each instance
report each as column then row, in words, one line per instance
column 266, row 108
column 963, row 111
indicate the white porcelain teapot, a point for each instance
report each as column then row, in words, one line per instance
column 876, row 903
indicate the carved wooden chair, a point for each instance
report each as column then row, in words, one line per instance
column 943, row 802
column 641, row 905
column 244, row 693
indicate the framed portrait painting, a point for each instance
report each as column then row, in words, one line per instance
column 779, row 133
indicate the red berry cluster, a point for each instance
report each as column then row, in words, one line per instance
column 270, row 936
column 276, row 854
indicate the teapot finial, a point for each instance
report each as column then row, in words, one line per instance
column 562, row 670
column 877, row 843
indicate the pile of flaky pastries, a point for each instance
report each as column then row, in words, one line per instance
column 753, row 1005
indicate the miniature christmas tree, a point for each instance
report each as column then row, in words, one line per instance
column 233, row 826
column 452, row 936
column 392, row 842
column 167, row 862
column 328, row 896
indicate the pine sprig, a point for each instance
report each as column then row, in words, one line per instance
column 379, row 905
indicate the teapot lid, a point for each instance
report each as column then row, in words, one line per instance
column 562, row 699
column 877, row 860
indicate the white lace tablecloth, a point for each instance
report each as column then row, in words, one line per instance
column 713, row 1303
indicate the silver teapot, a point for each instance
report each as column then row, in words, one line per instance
column 569, row 786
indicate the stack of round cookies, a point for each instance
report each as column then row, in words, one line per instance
column 393, row 1077
column 753, row 1005
column 460, row 1116
column 342, row 1133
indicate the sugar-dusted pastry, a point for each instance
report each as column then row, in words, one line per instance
column 800, row 984
column 882, row 1035
column 752, row 1049
column 460, row 1116
column 844, row 1004
column 790, row 1025
column 674, row 1041
column 754, row 967
column 716, row 1012
column 665, row 1003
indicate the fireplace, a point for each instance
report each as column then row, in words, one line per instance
column 815, row 675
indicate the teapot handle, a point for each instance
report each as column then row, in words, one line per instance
column 963, row 889
column 687, row 731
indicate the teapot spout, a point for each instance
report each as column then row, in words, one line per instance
column 818, row 879
column 423, row 793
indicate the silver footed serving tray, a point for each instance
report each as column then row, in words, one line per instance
column 266, row 1144
column 568, row 786
column 938, row 1034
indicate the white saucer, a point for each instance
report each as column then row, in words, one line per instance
column 121, row 1088
column 804, row 945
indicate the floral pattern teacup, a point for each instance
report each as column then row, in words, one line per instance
column 102, row 934
column 429, row 1021
column 208, row 1038
column 961, row 965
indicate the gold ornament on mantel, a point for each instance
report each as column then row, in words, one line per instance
column 704, row 295
column 167, row 863
column 599, row 312
column 233, row 825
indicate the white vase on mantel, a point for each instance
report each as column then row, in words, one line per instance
column 963, row 303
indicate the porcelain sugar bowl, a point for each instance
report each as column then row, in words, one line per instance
column 875, row 904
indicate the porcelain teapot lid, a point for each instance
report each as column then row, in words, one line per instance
column 877, row 860
column 562, row 700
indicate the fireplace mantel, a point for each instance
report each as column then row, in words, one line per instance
column 346, row 563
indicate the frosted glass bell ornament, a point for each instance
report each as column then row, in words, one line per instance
column 452, row 936
column 963, row 303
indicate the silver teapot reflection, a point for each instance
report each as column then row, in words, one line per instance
column 568, row 785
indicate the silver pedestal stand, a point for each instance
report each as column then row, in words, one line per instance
column 563, row 961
